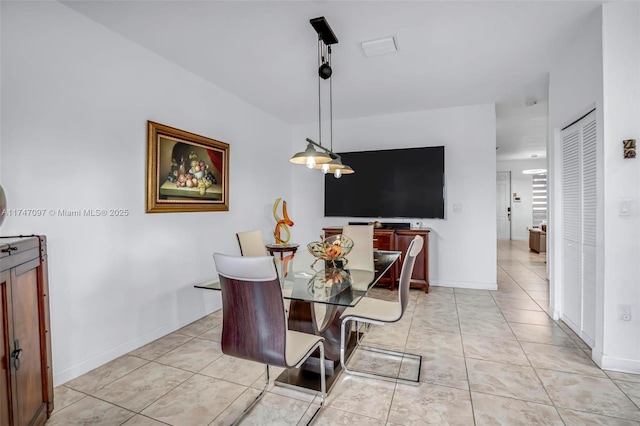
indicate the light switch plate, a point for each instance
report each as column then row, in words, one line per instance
column 624, row 208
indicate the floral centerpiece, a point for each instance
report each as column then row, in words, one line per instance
column 332, row 249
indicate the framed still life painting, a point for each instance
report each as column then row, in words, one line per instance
column 185, row 172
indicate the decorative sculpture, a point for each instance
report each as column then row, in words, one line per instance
column 629, row 148
column 282, row 224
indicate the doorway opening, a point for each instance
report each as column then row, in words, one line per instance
column 503, row 205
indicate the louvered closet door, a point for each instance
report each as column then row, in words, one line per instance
column 579, row 203
column 589, row 205
column 572, row 230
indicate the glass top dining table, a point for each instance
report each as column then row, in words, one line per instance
column 317, row 299
column 337, row 286
column 330, row 285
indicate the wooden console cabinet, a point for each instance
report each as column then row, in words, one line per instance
column 399, row 240
column 26, row 380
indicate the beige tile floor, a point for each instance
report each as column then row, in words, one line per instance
column 489, row 358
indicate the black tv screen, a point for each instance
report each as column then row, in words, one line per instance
column 389, row 183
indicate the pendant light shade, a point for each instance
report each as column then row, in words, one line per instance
column 347, row 170
column 310, row 157
column 331, row 166
column 344, row 170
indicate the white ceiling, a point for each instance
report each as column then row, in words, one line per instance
column 450, row 53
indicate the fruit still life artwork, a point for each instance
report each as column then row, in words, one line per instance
column 191, row 172
column 186, row 172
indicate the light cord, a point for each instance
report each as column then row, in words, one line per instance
column 330, row 103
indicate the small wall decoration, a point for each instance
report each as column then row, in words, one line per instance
column 629, row 148
column 282, row 224
column 185, row 172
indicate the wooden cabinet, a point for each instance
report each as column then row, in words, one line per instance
column 399, row 240
column 420, row 276
column 26, row 382
column 537, row 240
column 384, row 239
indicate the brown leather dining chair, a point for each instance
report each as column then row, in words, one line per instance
column 375, row 311
column 254, row 326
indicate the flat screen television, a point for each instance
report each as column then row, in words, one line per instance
column 389, row 183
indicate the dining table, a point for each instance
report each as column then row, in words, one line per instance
column 317, row 297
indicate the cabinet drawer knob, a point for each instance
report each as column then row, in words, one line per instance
column 9, row 249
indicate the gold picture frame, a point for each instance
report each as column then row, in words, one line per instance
column 185, row 172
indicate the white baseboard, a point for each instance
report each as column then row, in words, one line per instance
column 61, row 377
column 596, row 356
column 616, row 364
column 464, row 284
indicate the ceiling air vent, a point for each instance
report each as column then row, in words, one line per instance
column 380, row 46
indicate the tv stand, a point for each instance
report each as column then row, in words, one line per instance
column 398, row 239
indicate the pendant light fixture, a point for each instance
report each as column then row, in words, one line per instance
column 326, row 160
column 310, row 157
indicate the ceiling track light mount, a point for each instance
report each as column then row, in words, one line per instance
column 325, row 159
column 325, row 33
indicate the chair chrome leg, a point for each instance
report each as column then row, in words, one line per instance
column 342, row 343
column 365, row 329
column 249, row 407
column 323, row 385
column 380, row 350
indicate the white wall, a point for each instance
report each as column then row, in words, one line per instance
column 575, row 87
column 1, row 97
column 601, row 70
column 462, row 247
column 75, row 101
column 621, row 99
column 522, row 212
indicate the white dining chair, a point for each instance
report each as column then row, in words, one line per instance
column 361, row 255
column 375, row 311
column 251, row 243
